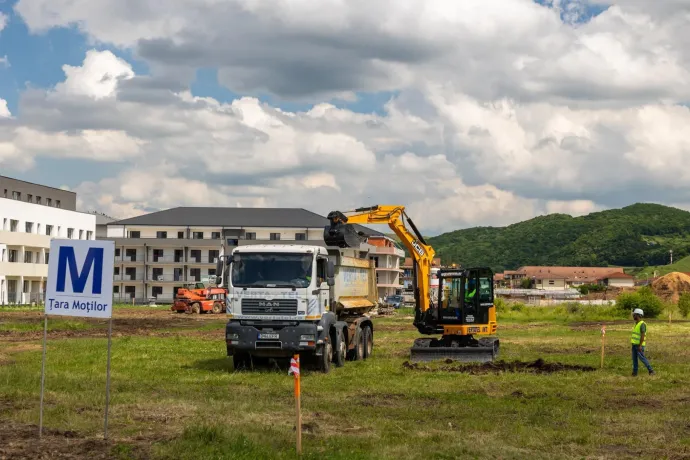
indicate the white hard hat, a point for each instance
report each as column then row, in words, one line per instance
column 638, row 311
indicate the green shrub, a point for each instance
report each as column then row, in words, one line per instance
column 644, row 298
column 573, row 307
column 518, row 307
column 500, row 304
column 684, row 304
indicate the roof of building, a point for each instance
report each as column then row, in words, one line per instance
column 37, row 184
column 616, row 275
column 499, row 277
column 234, row 217
column 587, row 274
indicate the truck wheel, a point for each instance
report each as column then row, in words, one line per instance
column 341, row 349
column 368, row 342
column 196, row 308
column 217, row 307
column 359, row 347
column 326, row 356
column 241, row 361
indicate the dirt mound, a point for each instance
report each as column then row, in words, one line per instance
column 536, row 367
column 669, row 287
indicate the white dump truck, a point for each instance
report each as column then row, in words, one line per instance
column 288, row 299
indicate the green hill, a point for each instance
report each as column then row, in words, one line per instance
column 634, row 236
column 682, row 265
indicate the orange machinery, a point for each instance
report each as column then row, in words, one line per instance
column 200, row 299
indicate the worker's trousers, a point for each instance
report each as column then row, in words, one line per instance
column 639, row 354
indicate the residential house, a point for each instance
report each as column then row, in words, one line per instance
column 387, row 256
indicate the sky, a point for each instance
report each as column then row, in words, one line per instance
column 480, row 112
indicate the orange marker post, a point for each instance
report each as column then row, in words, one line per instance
column 603, row 335
column 294, row 369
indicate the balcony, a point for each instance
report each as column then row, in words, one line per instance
column 165, row 259
column 165, row 277
column 127, row 259
column 389, row 250
column 202, row 260
column 127, row 277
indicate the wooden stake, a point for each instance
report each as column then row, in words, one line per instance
column 603, row 335
column 294, row 369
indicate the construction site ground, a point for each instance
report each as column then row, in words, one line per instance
column 174, row 394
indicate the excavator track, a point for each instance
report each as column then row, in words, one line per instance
column 425, row 350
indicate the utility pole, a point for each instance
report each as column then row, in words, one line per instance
column 671, row 252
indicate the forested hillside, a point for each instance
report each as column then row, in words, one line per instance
column 632, row 236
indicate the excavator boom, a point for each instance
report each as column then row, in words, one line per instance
column 457, row 318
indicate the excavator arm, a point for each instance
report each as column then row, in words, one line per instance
column 339, row 235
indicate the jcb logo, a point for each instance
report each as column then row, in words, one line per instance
column 417, row 247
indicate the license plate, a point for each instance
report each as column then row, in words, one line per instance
column 472, row 329
column 269, row 336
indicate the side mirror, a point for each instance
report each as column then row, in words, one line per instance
column 330, row 281
column 330, row 269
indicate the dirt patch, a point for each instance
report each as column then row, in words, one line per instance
column 536, row 367
column 134, row 322
column 21, row 441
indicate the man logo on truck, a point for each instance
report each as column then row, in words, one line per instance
column 269, row 304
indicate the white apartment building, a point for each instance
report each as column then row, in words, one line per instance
column 387, row 257
column 155, row 254
column 26, row 229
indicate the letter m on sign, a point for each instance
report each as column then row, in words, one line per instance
column 66, row 259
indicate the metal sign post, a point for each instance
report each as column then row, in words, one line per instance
column 80, row 284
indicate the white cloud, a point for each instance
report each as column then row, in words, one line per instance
column 502, row 111
column 3, row 21
column 4, row 110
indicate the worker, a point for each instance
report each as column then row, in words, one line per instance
column 638, row 341
column 470, row 290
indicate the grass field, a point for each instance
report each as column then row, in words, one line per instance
column 174, row 394
column 682, row 265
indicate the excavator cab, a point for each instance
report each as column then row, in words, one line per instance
column 468, row 296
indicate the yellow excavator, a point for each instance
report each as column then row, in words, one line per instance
column 464, row 306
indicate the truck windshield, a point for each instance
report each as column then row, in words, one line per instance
column 272, row 270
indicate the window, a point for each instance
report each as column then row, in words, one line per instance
column 13, row 225
column 551, row 282
column 28, row 257
column 157, row 255
column 179, row 256
column 212, row 272
column 195, row 255
column 38, row 199
column 116, row 289
column 38, row 229
column 300, row 236
column 47, row 257
column 29, row 198
column 70, row 233
column 213, row 256
column 116, row 271
column 81, row 234
column 156, row 291
column 130, row 291
column 162, row 235
column 16, row 195
column 275, row 236
column 29, row 227
column 131, row 254
column 49, row 201
column 180, row 235
column 57, row 204
column 26, row 287
column 198, row 235
column 177, row 274
column 215, row 235
column 13, row 256
column 89, row 235
column 5, row 195
column 134, row 234
column 117, row 252
column 250, row 235
column 195, row 274
column 157, row 274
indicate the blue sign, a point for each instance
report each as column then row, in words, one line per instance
column 80, row 278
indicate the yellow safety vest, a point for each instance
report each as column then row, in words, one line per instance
column 637, row 333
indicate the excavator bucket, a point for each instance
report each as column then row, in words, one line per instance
column 341, row 234
column 485, row 352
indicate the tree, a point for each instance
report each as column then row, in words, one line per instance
column 684, row 304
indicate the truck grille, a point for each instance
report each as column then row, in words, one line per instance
column 278, row 307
